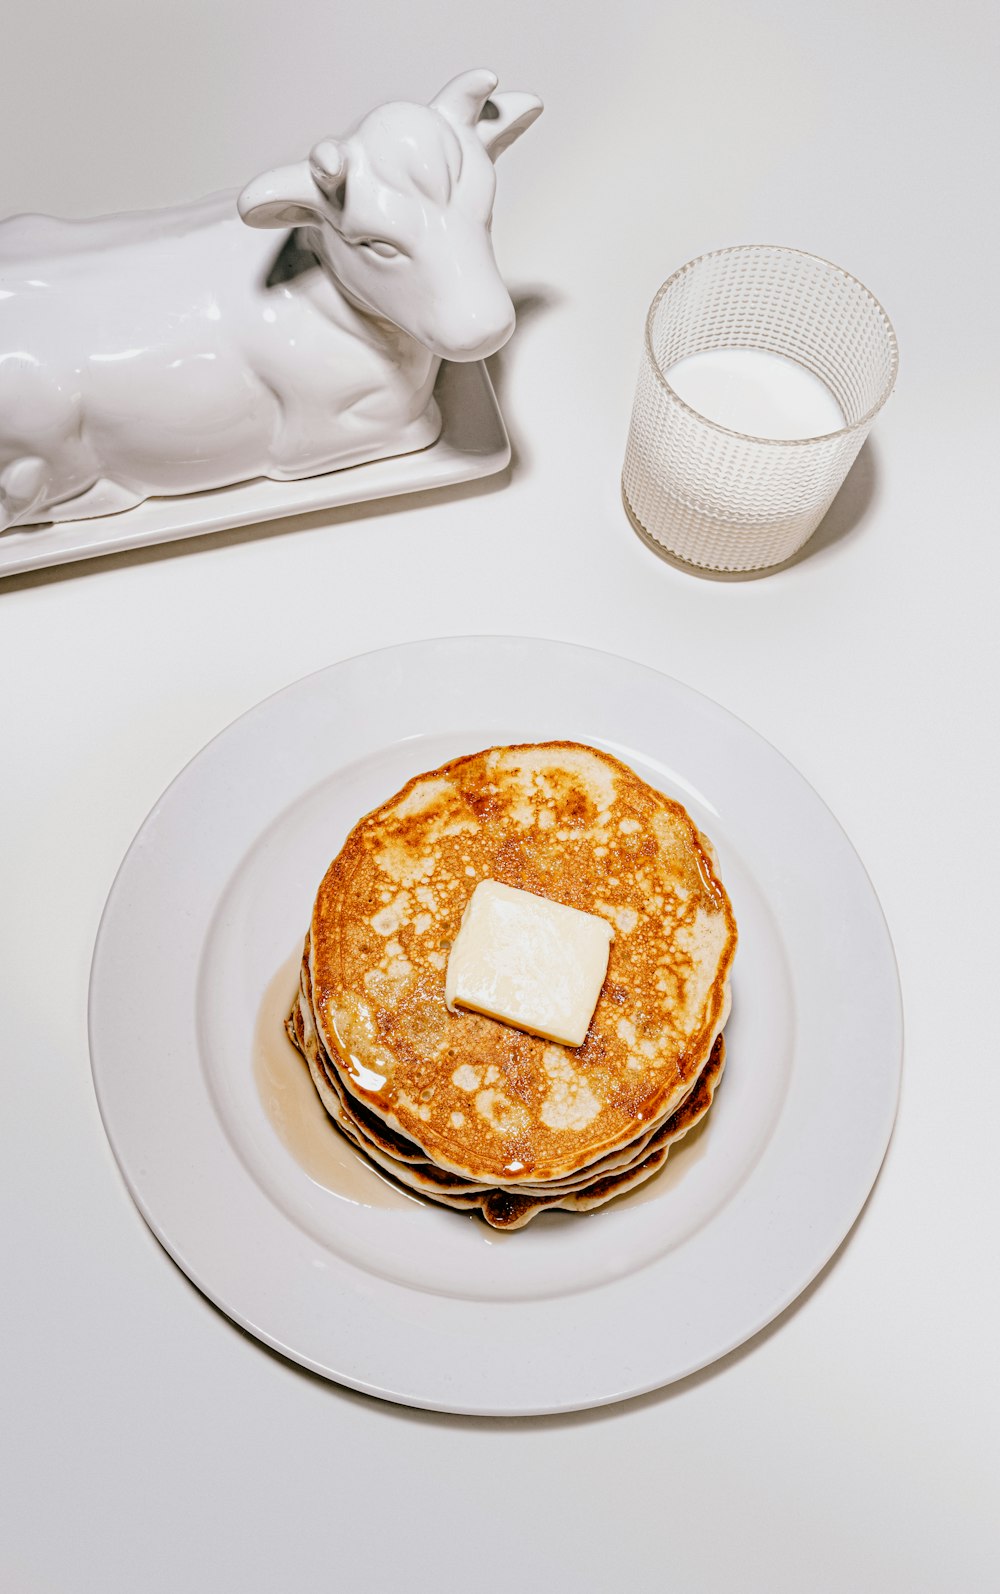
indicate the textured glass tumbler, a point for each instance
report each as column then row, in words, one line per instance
column 718, row 498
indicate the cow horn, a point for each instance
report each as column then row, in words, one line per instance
column 326, row 162
column 462, row 99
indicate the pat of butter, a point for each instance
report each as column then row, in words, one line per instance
column 533, row 963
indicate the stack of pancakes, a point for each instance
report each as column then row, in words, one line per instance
column 465, row 1109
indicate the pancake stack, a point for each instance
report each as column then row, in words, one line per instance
column 462, row 1108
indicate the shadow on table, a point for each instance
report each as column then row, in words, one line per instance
column 596, row 1414
column 842, row 521
column 529, row 303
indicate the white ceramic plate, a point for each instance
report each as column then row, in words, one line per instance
column 415, row 1303
column 473, row 443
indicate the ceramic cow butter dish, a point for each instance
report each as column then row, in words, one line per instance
column 288, row 331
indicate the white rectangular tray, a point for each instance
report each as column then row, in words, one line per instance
column 473, row 443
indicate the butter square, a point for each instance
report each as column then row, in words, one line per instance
column 533, row 963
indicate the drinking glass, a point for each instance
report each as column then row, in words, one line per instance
column 723, row 499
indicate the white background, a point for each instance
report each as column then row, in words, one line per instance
column 147, row 1445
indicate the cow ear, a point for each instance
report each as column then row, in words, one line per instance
column 504, row 118
column 328, row 165
column 285, row 197
column 462, row 99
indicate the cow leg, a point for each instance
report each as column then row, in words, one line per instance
column 35, row 414
column 359, row 439
column 23, row 485
column 103, row 498
column 415, row 435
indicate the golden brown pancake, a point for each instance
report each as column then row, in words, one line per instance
column 509, row 1209
column 506, row 1208
column 388, row 1148
column 474, row 1097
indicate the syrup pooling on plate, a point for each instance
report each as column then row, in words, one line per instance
column 296, row 1113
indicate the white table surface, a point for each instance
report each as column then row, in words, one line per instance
column 147, row 1445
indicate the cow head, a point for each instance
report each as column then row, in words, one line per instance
column 403, row 207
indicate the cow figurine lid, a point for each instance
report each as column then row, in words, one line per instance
column 179, row 350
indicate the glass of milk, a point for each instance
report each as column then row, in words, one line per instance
column 762, row 371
